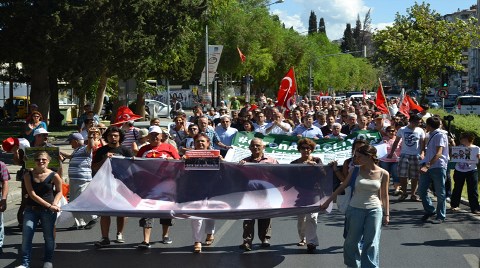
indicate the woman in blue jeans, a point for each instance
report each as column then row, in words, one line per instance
column 368, row 209
column 44, row 192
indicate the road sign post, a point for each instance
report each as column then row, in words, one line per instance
column 443, row 93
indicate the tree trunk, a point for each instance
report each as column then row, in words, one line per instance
column 141, row 102
column 40, row 93
column 55, row 116
column 102, row 86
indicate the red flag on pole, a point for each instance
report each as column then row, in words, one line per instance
column 381, row 100
column 242, row 57
column 408, row 105
column 288, row 87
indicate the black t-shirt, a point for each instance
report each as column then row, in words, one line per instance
column 101, row 153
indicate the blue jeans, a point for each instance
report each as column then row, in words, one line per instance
column 391, row 167
column 437, row 177
column 366, row 223
column 30, row 219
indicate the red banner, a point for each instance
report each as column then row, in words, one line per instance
column 381, row 100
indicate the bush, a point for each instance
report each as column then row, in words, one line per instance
column 462, row 123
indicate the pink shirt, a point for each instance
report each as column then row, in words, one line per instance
column 4, row 172
column 265, row 159
column 396, row 154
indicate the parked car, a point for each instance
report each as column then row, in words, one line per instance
column 467, row 105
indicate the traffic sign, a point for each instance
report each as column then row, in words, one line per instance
column 443, row 93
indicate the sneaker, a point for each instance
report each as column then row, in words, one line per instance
column 311, row 248
column 104, row 242
column 265, row 243
column 398, row 192
column 120, row 238
column 455, row 209
column 448, row 199
column 167, row 240
column 428, row 216
column 476, row 212
column 144, row 245
column 47, row 264
column 301, row 243
column 437, row 221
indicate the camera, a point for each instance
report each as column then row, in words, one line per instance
column 448, row 118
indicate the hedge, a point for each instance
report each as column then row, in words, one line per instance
column 462, row 123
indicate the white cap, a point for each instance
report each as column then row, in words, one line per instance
column 156, row 129
column 40, row 131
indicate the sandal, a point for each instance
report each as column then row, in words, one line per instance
column 209, row 240
column 301, row 243
column 415, row 198
column 197, row 247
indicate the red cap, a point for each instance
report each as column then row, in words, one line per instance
column 9, row 143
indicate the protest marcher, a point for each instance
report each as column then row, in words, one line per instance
column 413, row 142
column 86, row 108
column 351, row 125
column 327, row 129
column 35, row 124
column 125, row 118
column 248, row 126
column 391, row 164
column 225, row 133
column 202, row 142
column 235, row 104
column 307, row 129
column 114, row 137
column 211, row 134
column 261, row 123
column 44, row 188
column 141, row 141
column 277, row 126
column 264, row 225
column 336, row 132
column 307, row 223
column 368, row 209
column 466, row 172
column 158, row 148
column 80, row 174
column 433, row 170
column 179, row 131
column 5, row 177
column 188, row 144
column 88, row 123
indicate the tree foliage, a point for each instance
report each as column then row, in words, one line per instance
column 321, row 26
column 348, row 41
column 312, row 23
column 421, row 44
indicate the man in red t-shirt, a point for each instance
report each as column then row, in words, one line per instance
column 158, row 148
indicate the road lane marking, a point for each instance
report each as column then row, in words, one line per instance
column 453, row 234
column 472, row 260
column 225, row 227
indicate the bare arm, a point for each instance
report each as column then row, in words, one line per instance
column 338, row 191
column 394, row 147
column 3, row 201
column 385, row 198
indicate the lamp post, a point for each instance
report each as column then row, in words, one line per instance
column 206, row 48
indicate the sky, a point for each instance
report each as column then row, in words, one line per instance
column 337, row 13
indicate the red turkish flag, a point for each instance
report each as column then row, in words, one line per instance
column 288, row 87
column 407, row 105
column 381, row 100
column 242, row 57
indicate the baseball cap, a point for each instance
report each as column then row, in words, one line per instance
column 40, row 131
column 75, row 137
column 156, row 129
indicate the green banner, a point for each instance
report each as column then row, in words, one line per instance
column 284, row 147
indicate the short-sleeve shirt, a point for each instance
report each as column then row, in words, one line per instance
column 4, row 172
column 80, row 167
column 212, row 135
column 265, row 160
column 101, row 153
column 311, row 132
column 278, row 130
column 437, row 138
column 163, row 150
column 411, row 140
column 299, row 161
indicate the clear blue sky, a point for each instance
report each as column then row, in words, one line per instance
column 337, row 13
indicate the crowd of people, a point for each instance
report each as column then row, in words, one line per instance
column 417, row 151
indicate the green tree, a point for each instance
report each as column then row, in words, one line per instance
column 357, row 34
column 348, row 42
column 312, row 23
column 421, row 44
column 321, row 26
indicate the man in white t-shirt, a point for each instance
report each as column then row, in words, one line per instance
column 278, row 126
column 413, row 143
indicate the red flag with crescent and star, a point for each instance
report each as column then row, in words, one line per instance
column 288, row 87
column 242, row 57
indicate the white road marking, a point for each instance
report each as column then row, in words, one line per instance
column 453, row 234
column 472, row 260
column 225, row 227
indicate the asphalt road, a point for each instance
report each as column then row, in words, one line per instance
column 406, row 242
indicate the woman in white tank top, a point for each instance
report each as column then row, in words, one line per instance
column 368, row 209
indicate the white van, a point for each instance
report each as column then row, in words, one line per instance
column 467, row 105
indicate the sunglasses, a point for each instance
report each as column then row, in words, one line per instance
column 391, row 130
column 305, row 148
column 193, row 128
column 41, row 160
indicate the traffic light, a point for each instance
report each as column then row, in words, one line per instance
column 444, row 80
column 250, row 77
column 311, row 82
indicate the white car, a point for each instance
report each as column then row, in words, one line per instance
column 467, row 105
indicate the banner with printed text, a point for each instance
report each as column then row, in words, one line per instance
column 284, row 148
